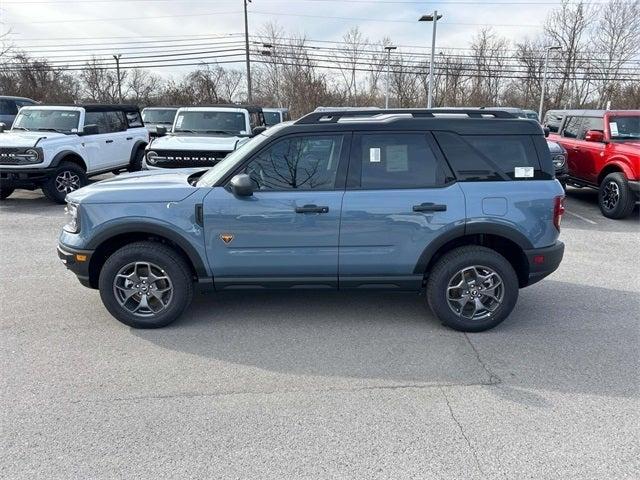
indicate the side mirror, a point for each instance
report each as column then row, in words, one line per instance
column 594, row 136
column 241, row 185
column 258, row 130
column 161, row 131
column 90, row 129
column 546, row 131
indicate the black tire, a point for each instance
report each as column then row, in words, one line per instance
column 5, row 191
column 74, row 176
column 445, row 271
column 615, row 198
column 172, row 266
column 136, row 161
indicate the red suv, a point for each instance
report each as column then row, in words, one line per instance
column 604, row 153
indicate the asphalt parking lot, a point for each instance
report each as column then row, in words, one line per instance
column 322, row 385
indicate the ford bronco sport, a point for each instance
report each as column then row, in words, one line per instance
column 604, row 153
column 202, row 136
column 462, row 204
column 57, row 148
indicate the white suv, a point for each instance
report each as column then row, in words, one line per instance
column 202, row 136
column 57, row 148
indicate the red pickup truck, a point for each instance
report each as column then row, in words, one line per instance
column 603, row 149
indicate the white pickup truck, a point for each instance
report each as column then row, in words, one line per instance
column 202, row 136
column 57, row 148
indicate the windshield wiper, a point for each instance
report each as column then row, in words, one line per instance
column 20, row 128
column 227, row 132
column 49, row 130
column 185, row 131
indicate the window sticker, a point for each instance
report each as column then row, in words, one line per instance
column 523, row 172
column 179, row 121
column 613, row 126
column 397, row 158
column 374, row 155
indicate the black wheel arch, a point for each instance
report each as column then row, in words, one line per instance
column 139, row 145
column 69, row 156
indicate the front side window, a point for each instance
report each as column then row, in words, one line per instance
column 398, row 160
column 297, row 163
column 271, row 118
column 45, row 120
column 229, row 123
column 591, row 123
column 8, row 107
column 625, row 127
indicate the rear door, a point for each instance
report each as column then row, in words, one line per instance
column 400, row 197
column 286, row 233
column 100, row 149
column 122, row 139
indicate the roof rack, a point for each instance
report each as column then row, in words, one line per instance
column 334, row 116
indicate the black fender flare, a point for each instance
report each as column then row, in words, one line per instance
column 472, row 228
column 153, row 229
column 136, row 146
column 57, row 159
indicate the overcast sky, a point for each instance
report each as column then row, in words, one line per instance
column 32, row 22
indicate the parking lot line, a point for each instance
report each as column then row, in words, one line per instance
column 581, row 217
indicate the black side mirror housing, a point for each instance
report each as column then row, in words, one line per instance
column 546, row 131
column 258, row 130
column 161, row 131
column 241, row 185
column 90, row 129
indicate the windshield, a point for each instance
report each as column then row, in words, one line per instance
column 271, row 118
column 159, row 115
column 625, row 128
column 230, row 123
column 64, row 121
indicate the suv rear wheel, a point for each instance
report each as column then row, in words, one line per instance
column 614, row 197
column 472, row 289
column 67, row 178
column 146, row 285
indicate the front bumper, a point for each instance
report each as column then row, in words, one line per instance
column 543, row 261
column 28, row 178
column 77, row 261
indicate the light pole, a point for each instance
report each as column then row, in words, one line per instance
column 246, row 46
column 388, row 48
column 117, row 58
column 431, row 18
column 544, row 79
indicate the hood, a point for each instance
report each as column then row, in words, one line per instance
column 554, row 147
column 195, row 142
column 19, row 138
column 139, row 187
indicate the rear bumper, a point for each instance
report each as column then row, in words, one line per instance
column 543, row 261
column 25, row 177
column 77, row 261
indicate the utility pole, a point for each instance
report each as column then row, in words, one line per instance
column 431, row 18
column 117, row 57
column 246, row 42
column 543, row 87
column 388, row 48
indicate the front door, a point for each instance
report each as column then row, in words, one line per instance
column 286, row 233
column 400, row 197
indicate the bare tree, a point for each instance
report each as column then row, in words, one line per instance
column 142, row 87
column 100, row 83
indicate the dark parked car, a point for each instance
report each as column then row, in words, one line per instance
column 9, row 107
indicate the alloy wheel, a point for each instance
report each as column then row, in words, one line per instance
column 67, row 181
column 143, row 288
column 475, row 292
column 610, row 195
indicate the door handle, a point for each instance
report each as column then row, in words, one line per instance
column 108, row 141
column 312, row 209
column 429, row 207
column 129, row 138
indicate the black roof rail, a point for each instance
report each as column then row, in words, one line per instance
column 334, row 116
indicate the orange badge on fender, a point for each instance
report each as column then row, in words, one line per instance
column 226, row 237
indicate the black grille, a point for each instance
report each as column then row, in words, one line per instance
column 7, row 155
column 191, row 155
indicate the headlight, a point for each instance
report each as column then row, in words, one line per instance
column 73, row 224
column 559, row 160
column 20, row 156
column 151, row 157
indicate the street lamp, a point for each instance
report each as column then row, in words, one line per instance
column 246, row 40
column 544, row 79
column 117, row 59
column 388, row 48
column 431, row 18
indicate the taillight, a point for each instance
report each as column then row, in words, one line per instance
column 558, row 211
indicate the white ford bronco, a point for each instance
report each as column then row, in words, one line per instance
column 202, row 136
column 57, row 148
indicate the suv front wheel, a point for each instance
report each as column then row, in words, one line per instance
column 146, row 285
column 472, row 289
column 615, row 198
column 67, row 178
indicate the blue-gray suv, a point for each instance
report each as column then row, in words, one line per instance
column 462, row 204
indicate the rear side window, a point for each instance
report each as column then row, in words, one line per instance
column 573, row 127
column 107, row 122
column 490, row 157
column 134, row 120
column 398, row 160
column 8, row 107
